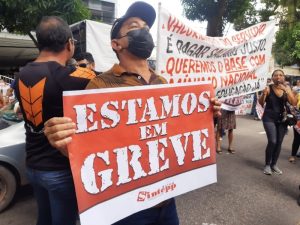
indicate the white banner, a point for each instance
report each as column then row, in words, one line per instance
column 236, row 64
column 98, row 43
column 232, row 104
column 259, row 110
column 246, row 106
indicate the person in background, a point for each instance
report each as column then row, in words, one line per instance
column 296, row 88
column 86, row 60
column 296, row 129
column 226, row 122
column 10, row 93
column 2, row 102
column 253, row 110
column 275, row 96
column 39, row 88
column 133, row 44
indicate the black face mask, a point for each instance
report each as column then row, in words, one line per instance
column 140, row 43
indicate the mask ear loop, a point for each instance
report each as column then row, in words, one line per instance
column 121, row 36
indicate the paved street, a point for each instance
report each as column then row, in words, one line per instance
column 242, row 196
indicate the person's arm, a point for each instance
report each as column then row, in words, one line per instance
column 59, row 131
column 262, row 98
column 290, row 94
column 216, row 107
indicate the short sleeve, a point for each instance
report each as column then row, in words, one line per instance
column 69, row 82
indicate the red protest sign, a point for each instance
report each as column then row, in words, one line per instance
column 139, row 146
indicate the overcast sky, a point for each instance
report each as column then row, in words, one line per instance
column 173, row 6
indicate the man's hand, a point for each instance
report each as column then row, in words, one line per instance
column 216, row 107
column 59, row 130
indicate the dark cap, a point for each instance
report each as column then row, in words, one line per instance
column 138, row 9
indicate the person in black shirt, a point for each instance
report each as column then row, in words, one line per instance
column 275, row 96
column 39, row 88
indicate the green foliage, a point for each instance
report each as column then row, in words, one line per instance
column 269, row 9
column 215, row 11
column 287, row 46
column 249, row 18
column 296, row 37
column 22, row 16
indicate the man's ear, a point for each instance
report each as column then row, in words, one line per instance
column 69, row 45
column 115, row 45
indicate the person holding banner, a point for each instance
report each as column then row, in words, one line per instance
column 296, row 88
column 226, row 122
column 39, row 88
column 133, row 44
column 275, row 96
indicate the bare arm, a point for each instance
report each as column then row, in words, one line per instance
column 290, row 94
column 59, row 130
column 262, row 98
column 216, row 107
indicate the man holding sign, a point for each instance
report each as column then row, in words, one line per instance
column 133, row 44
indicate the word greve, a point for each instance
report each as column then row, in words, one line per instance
column 139, row 111
column 158, row 156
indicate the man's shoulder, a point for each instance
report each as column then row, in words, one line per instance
column 101, row 81
column 161, row 79
column 85, row 73
column 111, row 79
column 50, row 66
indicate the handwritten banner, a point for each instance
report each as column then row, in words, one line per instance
column 259, row 110
column 236, row 65
column 135, row 147
column 232, row 104
column 246, row 107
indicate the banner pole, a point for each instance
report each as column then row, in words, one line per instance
column 157, row 40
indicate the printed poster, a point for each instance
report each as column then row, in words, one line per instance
column 135, row 147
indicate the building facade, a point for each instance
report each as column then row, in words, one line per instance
column 103, row 11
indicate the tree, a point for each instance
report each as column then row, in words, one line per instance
column 287, row 46
column 216, row 12
column 247, row 19
column 269, row 9
column 22, row 16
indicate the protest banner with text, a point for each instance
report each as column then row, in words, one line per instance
column 246, row 107
column 135, row 147
column 236, row 65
